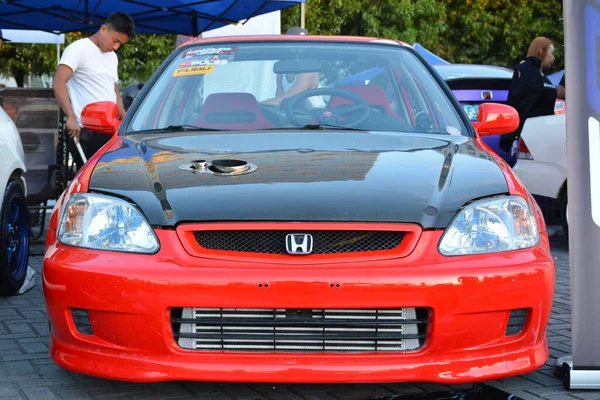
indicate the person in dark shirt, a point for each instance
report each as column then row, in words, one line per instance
column 531, row 93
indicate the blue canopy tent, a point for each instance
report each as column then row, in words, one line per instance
column 429, row 56
column 185, row 17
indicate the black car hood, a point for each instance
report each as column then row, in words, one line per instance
column 301, row 176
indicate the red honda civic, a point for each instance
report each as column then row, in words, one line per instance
column 297, row 209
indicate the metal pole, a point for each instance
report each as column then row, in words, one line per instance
column 303, row 15
column 582, row 46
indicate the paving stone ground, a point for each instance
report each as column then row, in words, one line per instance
column 26, row 371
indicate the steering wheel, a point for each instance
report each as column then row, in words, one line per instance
column 328, row 116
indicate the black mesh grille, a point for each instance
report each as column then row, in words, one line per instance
column 324, row 242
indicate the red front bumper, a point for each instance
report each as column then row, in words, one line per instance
column 129, row 298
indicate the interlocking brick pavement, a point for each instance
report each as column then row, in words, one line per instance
column 26, row 371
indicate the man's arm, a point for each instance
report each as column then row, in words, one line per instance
column 59, row 85
column 120, row 103
column 279, row 90
column 304, row 82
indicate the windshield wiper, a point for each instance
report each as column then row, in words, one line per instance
column 317, row 127
column 191, row 128
column 185, row 128
column 177, row 128
column 313, row 127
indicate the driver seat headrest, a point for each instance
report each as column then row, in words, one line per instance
column 374, row 95
column 232, row 111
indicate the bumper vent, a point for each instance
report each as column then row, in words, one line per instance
column 300, row 330
column 324, row 242
column 82, row 322
column 516, row 321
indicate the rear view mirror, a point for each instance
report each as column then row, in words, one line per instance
column 297, row 66
column 101, row 117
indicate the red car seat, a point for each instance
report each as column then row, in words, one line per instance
column 374, row 95
column 232, row 111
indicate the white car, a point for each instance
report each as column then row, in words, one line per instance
column 14, row 215
column 542, row 162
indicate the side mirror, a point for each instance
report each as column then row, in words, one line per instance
column 101, row 117
column 496, row 119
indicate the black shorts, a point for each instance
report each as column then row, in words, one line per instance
column 90, row 142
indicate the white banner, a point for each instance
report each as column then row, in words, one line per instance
column 24, row 36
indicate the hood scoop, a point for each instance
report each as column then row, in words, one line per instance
column 220, row 167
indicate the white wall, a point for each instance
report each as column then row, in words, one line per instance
column 266, row 24
column 26, row 36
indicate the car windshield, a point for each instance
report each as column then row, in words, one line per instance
column 296, row 85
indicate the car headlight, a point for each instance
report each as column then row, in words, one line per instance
column 105, row 223
column 492, row 225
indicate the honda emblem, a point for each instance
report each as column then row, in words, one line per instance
column 299, row 243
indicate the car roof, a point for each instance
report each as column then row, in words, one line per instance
column 299, row 38
column 453, row 71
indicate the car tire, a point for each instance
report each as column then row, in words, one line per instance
column 564, row 219
column 14, row 239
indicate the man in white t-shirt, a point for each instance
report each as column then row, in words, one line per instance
column 87, row 73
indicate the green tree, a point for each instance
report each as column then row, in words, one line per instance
column 498, row 32
column 137, row 59
column 17, row 60
column 405, row 20
column 492, row 32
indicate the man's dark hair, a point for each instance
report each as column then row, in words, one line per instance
column 121, row 22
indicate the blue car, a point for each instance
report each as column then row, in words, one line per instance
column 476, row 84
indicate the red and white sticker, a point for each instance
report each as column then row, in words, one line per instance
column 209, row 51
column 214, row 60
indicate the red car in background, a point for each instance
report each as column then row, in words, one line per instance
column 236, row 230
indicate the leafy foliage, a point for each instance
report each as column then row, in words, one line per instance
column 137, row 59
column 492, row 32
column 498, row 32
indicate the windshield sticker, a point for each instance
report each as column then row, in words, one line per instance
column 201, row 70
column 214, row 60
column 210, row 51
column 453, row 131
